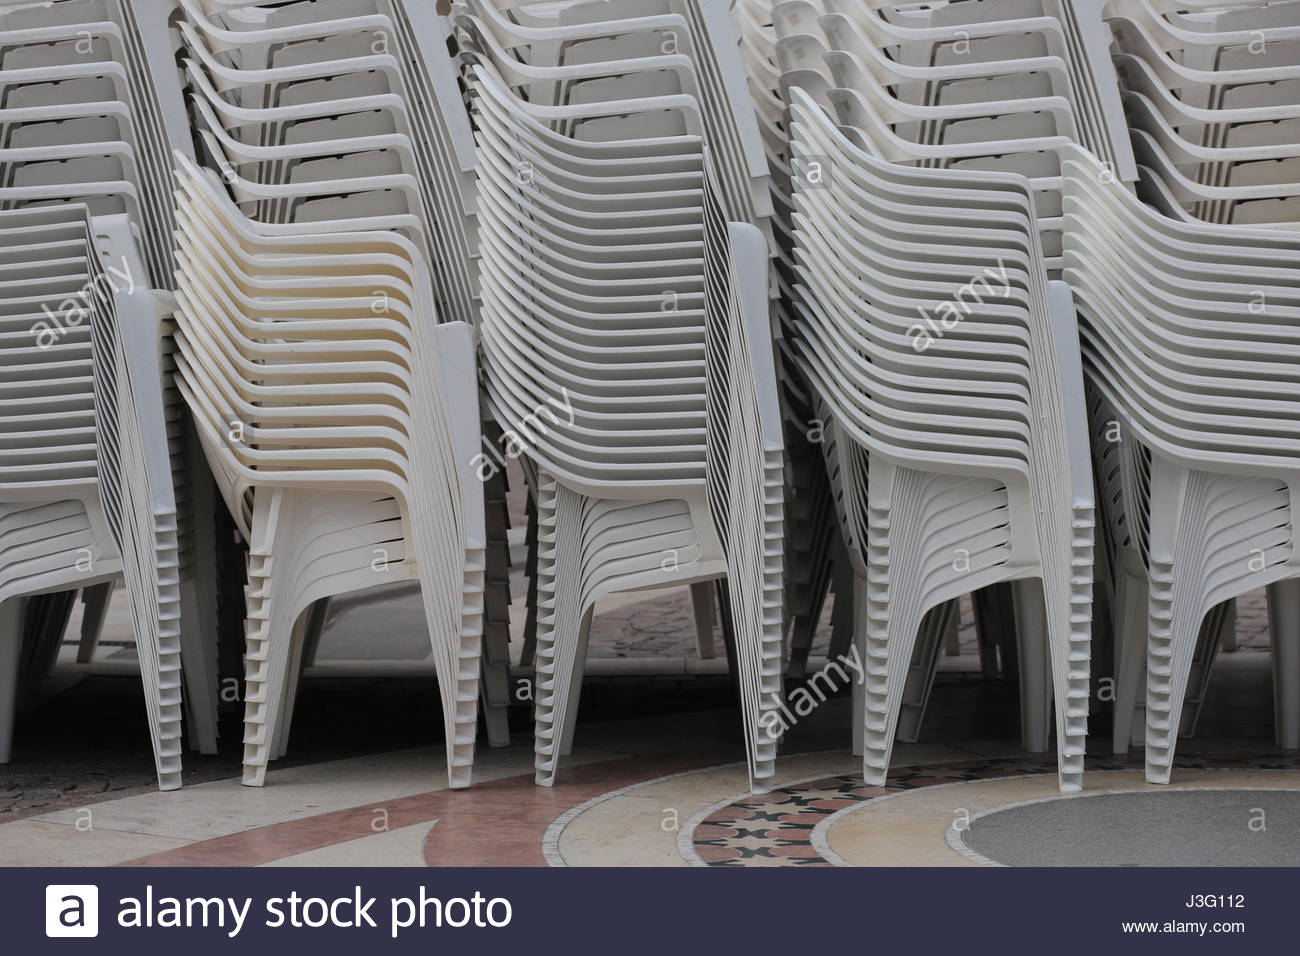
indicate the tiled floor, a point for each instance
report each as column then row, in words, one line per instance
column 654, row 778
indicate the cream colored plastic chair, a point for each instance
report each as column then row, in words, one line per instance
column 272, row 332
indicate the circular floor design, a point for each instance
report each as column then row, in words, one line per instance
column 823, row 814
column 1167, row 827
column 778, row 827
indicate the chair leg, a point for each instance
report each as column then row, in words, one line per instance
column 1175, row 609
column 11, row 639
column 495, row 689
column 843, row 616
column 893, row 616
column 1284, row 627
column 1175, row 624
column 952, row 636
column 1068, row 632
column 1035, row 666
column 1222, row 619
column 575, row 683
column 528, row 651
column 559, row 619
column 269, row 641
column 702, row 606
column 319, row 615
column 198, row 642
column 94, row 611
column 994, row 620
column 46, row 628
column 457, row 644
column 307, row 635
column 936, row 629
column 856, row 599
column 201, row 598
column 302, row 630
column 1130, row 631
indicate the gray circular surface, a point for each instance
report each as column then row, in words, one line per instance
column 1145, row 828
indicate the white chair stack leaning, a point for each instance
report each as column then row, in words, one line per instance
column 622, row 209
column 87, row 108
column 1031, row 266
column 948, row 368
column 350, row 195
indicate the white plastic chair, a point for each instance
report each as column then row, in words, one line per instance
column 87, row 481
column 668, row 469
column 1202, row 384
column 91, row 110
column 272, row 331
column 961, row 449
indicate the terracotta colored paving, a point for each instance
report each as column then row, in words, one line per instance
column 504, row 822
column 497, row 823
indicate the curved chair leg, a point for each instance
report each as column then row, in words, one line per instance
column 201, row 600
column 460, row 662
column 1068, row 633
column 575, row 683
column 1221, row 620
column 843, row 615
column 938, row 626
column 198, row 641
column 269, row 640
column 1175, row 623
column 893, row 620
column 308, row 621
column 1175, row 613
column 559, row 618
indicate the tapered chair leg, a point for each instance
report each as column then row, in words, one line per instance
column 1284, row 627
column 702, row 608
column 94, row 610
column 1035, row 666
column 11, row 640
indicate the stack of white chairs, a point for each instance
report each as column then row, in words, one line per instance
column 994, row 86
column 1189, row 333
column 1211, row 93
column 341, row 435
column 950, row 372
column 1213, row 99
column 325, row 121
column 685, row 45
column 813, row 544
column 338, row 114
column 87, row 485
column 89, row 107
column 623, row 207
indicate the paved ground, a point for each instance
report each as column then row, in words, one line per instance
column 1228, row 827
column 653, row 777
